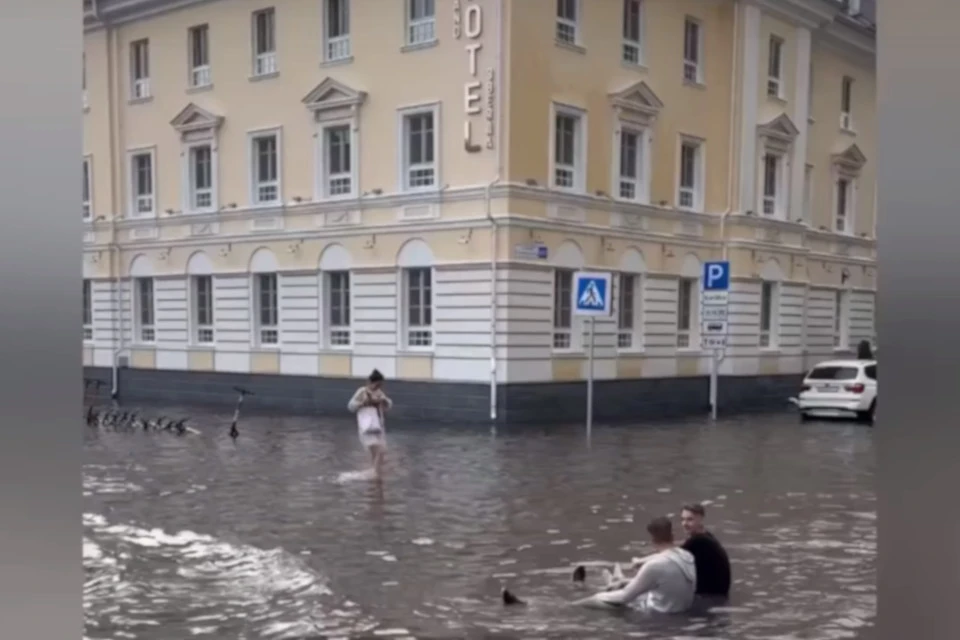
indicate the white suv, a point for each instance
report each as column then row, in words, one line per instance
column 840, row 388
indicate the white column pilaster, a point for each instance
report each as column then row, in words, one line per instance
column 801, row 103
column 750, row 77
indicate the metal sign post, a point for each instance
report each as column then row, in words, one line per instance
column 592, row 297
column 714, row 312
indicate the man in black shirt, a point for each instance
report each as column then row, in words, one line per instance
column 713, row 564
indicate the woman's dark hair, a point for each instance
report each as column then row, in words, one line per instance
column 375, row 376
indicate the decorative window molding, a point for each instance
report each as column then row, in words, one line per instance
column 846, row 167
column 336, row 111
column 636, row 108
column 199, row 136
column 776, row 139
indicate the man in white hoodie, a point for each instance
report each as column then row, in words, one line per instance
column 666, row 583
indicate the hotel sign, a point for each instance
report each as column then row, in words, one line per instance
column 479, row 95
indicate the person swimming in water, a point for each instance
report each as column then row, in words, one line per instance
column 370, row 404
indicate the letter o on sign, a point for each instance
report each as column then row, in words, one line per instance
column 474, row 21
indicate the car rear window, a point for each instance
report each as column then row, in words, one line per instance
column 871, row 371
column 833, row 373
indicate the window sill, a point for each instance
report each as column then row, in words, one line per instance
column 326, row 64
column 690, row 351
column 336, row 351
column 415, row 351
column 200, row 88
column 780, row 100
column 631, row 351
column 694, row 84
column 134, row 101
column 420, row 46
column 634, row 66
column 570, row 46
column 266, row 205
column 689, row 209
column 142, row 216
column 204, row 347
column 770, row 351
column 848, row 132
column 264, row 76
column 265, row 348
column 568, row 354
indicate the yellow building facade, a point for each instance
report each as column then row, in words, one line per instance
column 308, row 189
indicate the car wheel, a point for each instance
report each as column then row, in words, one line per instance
column 867, row 416
column 804, row 417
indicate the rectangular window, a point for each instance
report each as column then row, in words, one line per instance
column 337, row 45
column 420, row 150
column 146, row 332
column 685, row 312
column 767, row 292
column 840, row 324
column 140, row 69
column 266, row 168
column 419, row 301
column 338, row 308
column 87, row 310
column 631, row 185
column 199, row 42
column 568, row 150
column 203, row 309
column 808, row 193
column 83, row 81
column 627, row 321
column 338, row 168
column 775, row 68
column 810, row 92
column 87, row 190
column 421, row 21
column 692, row 44
column 771, row 183
column 846, row 103
column 689, row 196
column 567, row 21
column 633, row 31
column 264, row 42
column 842, row 206
column 141, row 184
column 201, row 177
column 562, row 311
column 267, row 309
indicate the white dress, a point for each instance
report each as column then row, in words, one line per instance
column 370, row 420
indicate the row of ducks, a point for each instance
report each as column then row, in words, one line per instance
column 114, row 419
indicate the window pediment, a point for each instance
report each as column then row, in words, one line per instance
column 637, row 102
column 194, row 119
column 332, row 96
column 850, row 160
column 780, row 129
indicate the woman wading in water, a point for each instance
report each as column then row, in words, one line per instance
column 370, row 404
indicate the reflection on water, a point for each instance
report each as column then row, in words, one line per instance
column 203, row 537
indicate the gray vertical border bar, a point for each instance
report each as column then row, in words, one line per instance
column 40, row 344
column 918, row 425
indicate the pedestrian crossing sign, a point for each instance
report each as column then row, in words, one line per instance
column 592, row 294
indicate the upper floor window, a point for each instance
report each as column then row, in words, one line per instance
column 632, row 183
column 200, row 172
column 846, row 103
column 633, row 31
column 142, row 194
column 140, row 70
column 843, row 205
column 568, row 21
column 692, row 51
column 87, row 190
column 264, row 42
column 420, row 149
column 265, row 168
column 199, row 39
column 421, row 21
column 338, row 168
column 775, row 68
column 337, row 31
column 808, row 193
column 690, row 183
column 83, row 81
column 773, row 183
column 568, row 150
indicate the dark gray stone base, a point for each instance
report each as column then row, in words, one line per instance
column 454, row 403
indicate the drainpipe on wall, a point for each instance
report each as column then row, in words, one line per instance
column 494, row 229
column 734, row 87
column 115, row 134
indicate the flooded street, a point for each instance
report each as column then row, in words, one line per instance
column 203, row 537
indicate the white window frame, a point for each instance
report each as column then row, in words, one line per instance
column 190, row 191
column 774, row 205
column 146, row 332
column 696, row 192
column 87, row 196
column 266, row 334
column 640, row 182
column 850, row 206
column 769, row 335
column 140, row 78
column 846, row 103
column 688, row 337
column 406, row 168
column 841, row 320
column 254, row 167
column 420, row 336
column 808, row 193
column 337, row 46
column 567, row 30
column 202, row 334
column 565, row 338
column 263, row 55
column 633, row 49
column 87, row 317
column 322, row 188
column 693, row 66
column 199, row 75
column 577, row 171
column 337, row 335
column 135, row 199
column 85, row 96
column 422, row 30
column 775, row 45
column 630, row 339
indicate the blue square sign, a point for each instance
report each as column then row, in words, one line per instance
column 592, row 294
column 716, row 276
